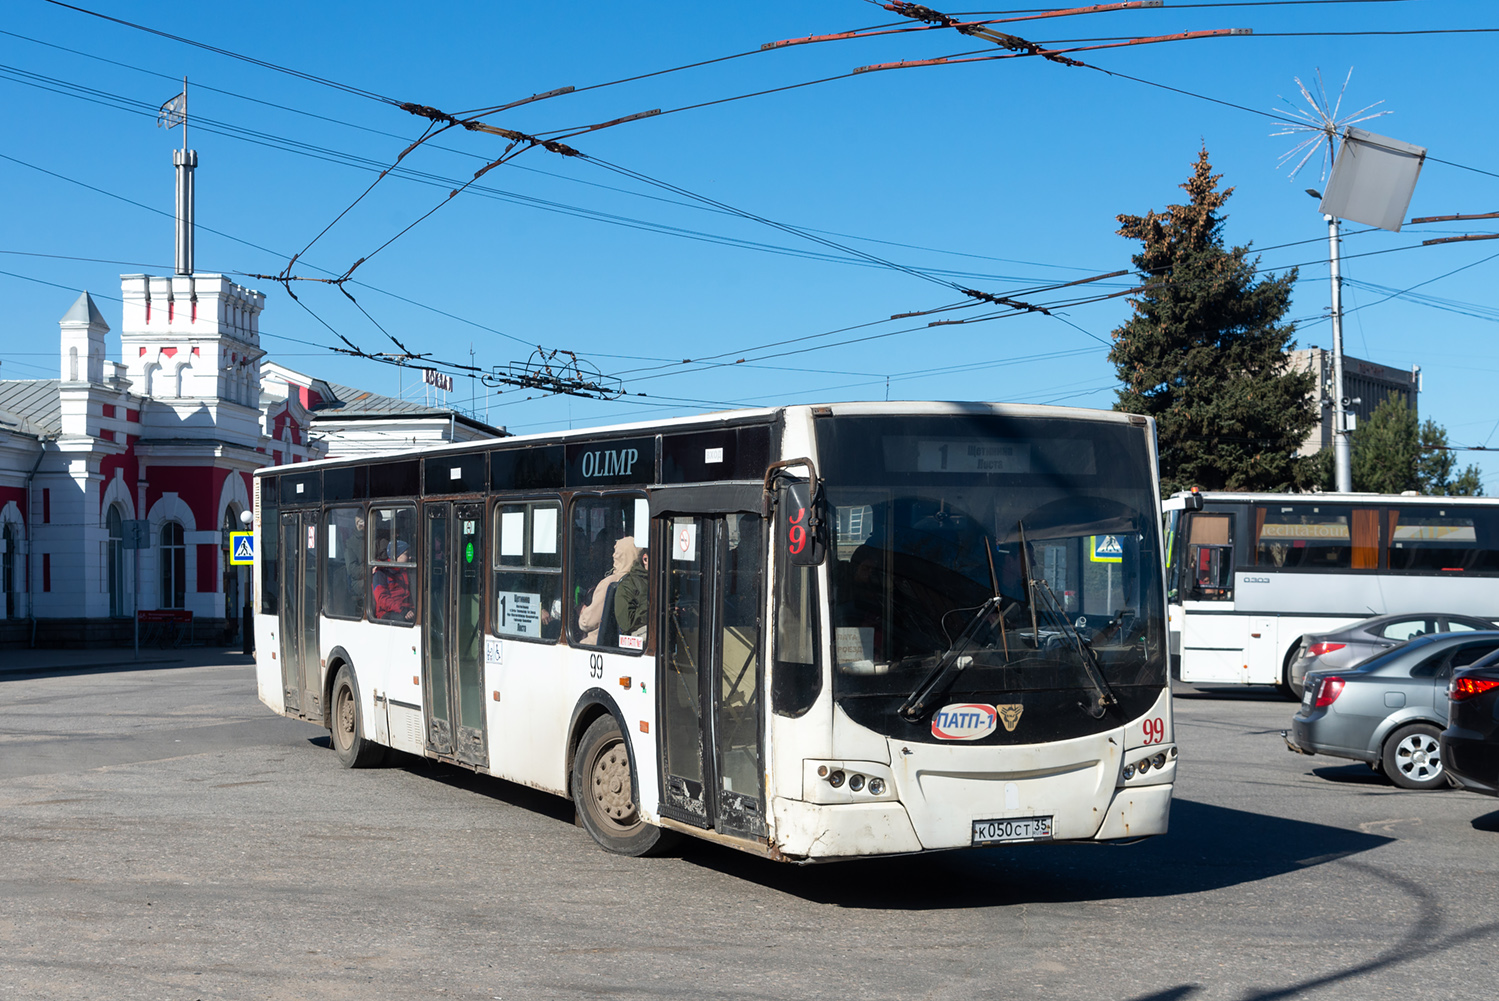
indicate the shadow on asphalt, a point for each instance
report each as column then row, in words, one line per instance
column 1209, row 847
column 1264, row 694
column 113, row 662
column 499, row 790
column 1358, row 774
column 1488, row 822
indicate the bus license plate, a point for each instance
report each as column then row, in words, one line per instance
column 993, row 832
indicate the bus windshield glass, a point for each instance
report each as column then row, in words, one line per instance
column 1008, row 554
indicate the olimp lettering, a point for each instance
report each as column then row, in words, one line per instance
column 609, row 462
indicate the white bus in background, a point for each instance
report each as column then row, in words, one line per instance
column 1248, row 574
column 804, row 632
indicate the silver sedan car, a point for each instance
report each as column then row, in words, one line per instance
column 1388, row 711
column 1345, row 647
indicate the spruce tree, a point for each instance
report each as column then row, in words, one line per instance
column 1205, row 353
column 1392, row 454
column 1386, row 449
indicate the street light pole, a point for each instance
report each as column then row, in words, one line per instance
column 1341, row 451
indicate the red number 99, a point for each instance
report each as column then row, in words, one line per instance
column 1155, row 730
column 796, row 539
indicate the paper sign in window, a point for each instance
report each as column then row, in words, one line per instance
column 518, row 613
column 642, row 522
column 512, row 533
column 543, row 530
column 684, row 540
column 854, row 648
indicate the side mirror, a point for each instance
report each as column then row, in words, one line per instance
column 801, row 528
column 1212, row 570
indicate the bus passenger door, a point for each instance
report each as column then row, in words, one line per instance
column 301, row 673
column 452, row 633
column 710, row 665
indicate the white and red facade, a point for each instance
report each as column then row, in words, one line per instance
column 169, row 435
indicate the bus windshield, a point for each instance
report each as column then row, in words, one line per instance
column 1024, row 552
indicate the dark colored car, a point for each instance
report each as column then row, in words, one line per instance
column 1390, row 710
column 1470, row 744
column 1342, row 648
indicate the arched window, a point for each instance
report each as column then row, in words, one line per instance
column 229, row 570
column 114, row 559
column 72, row 364
column 173, row 566
column 8, row 564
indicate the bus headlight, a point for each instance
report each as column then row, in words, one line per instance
column 832, row 782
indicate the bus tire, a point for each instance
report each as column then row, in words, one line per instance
column 1284, row 686
column 354, row 750
column 603, row 793
column 1412, row 757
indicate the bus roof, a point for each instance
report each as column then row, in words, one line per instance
column 1177, row 500
column 721, row 418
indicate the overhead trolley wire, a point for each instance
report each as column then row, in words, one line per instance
column 264, row 64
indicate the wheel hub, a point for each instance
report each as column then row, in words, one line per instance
column 345, row 716
column 612, row 793
column 1420, row 756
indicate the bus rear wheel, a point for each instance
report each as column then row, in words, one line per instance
column 604, row 794
column 354, row 750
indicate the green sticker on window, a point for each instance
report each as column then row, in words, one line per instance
column 468, row 553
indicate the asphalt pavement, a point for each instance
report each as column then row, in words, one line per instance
column 163, row 835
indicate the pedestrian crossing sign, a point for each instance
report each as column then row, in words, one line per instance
column 1105, row 549
column 241, row 548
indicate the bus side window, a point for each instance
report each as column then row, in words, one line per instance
column 343, row 567
column 609, row 562
column 1443, row 539
column 1208, row 571
column 269, row 549
column 528, row 570
column 393, row 557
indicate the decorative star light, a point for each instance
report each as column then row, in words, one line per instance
column 1321, row 128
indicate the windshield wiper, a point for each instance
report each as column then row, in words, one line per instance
column 949, row 666
column 1085, row 652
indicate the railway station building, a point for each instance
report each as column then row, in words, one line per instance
column 120, row 479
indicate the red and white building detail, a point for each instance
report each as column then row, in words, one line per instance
column 170, row 435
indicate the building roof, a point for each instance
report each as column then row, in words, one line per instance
column 84, row 311
column 362, row 404
column 33, row 402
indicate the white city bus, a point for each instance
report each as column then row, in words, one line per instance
column 804, row 632
column 1249, row 574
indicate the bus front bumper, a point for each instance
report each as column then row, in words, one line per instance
column 846, row 830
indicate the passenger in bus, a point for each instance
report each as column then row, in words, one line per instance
column 392, row 585
column 627, row 555
column 632, row 599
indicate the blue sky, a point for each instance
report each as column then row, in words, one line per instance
column 1003, row 176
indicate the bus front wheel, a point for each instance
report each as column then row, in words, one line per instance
column 604, row 793
column 354, row 750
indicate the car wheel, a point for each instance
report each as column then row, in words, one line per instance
column 604, row 794
column 354, row 750
column 1413, row 758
